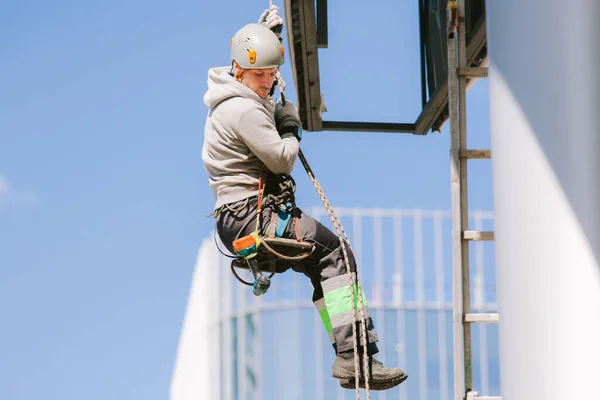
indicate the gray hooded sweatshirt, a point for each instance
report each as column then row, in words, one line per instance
column 240, row 139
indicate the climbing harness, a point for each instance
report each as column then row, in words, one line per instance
column 256, row 246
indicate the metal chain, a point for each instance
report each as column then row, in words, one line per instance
column 286, row 190
column 345, row 241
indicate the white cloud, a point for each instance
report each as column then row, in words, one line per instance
column 9, row 195
column 4, row 186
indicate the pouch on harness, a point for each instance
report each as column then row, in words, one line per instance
column 271, row 252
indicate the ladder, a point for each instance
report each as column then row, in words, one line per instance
column 458, row 72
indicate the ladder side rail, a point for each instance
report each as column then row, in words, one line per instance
column 457, row 229
column 464, row 204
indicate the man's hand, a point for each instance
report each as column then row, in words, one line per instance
column 270, row 17
column 287, row 119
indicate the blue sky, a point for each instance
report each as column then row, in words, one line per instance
column 103, row 195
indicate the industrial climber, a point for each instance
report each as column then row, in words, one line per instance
column 249, row 138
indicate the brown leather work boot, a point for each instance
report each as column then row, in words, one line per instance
column 381, row 378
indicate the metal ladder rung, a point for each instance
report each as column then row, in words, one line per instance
column 478, row 235
column 476, row 154
column 482, row 318
column 473, row 72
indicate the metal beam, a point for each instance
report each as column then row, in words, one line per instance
column 322, row 32
column 302, row 41
column 307, row 29
column 368, row 126
column 435, row 112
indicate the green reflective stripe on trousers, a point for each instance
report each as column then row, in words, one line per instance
column 322, row 309
column 364, row 299
column 339, row 301
column 326, row 321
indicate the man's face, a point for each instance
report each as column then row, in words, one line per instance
column 259, row 80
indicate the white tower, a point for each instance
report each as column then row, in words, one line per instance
column 197, row 367
column 545, row 120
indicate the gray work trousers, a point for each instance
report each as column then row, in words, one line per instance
column 325, row 267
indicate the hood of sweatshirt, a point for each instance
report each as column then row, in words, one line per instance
column 222, row 86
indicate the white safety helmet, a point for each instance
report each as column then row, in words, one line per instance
column 256, row 47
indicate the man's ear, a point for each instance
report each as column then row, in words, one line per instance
column 237, row 71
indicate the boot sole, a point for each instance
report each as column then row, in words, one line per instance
column 373, row 385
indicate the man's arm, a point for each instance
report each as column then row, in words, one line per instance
column 278, row 153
